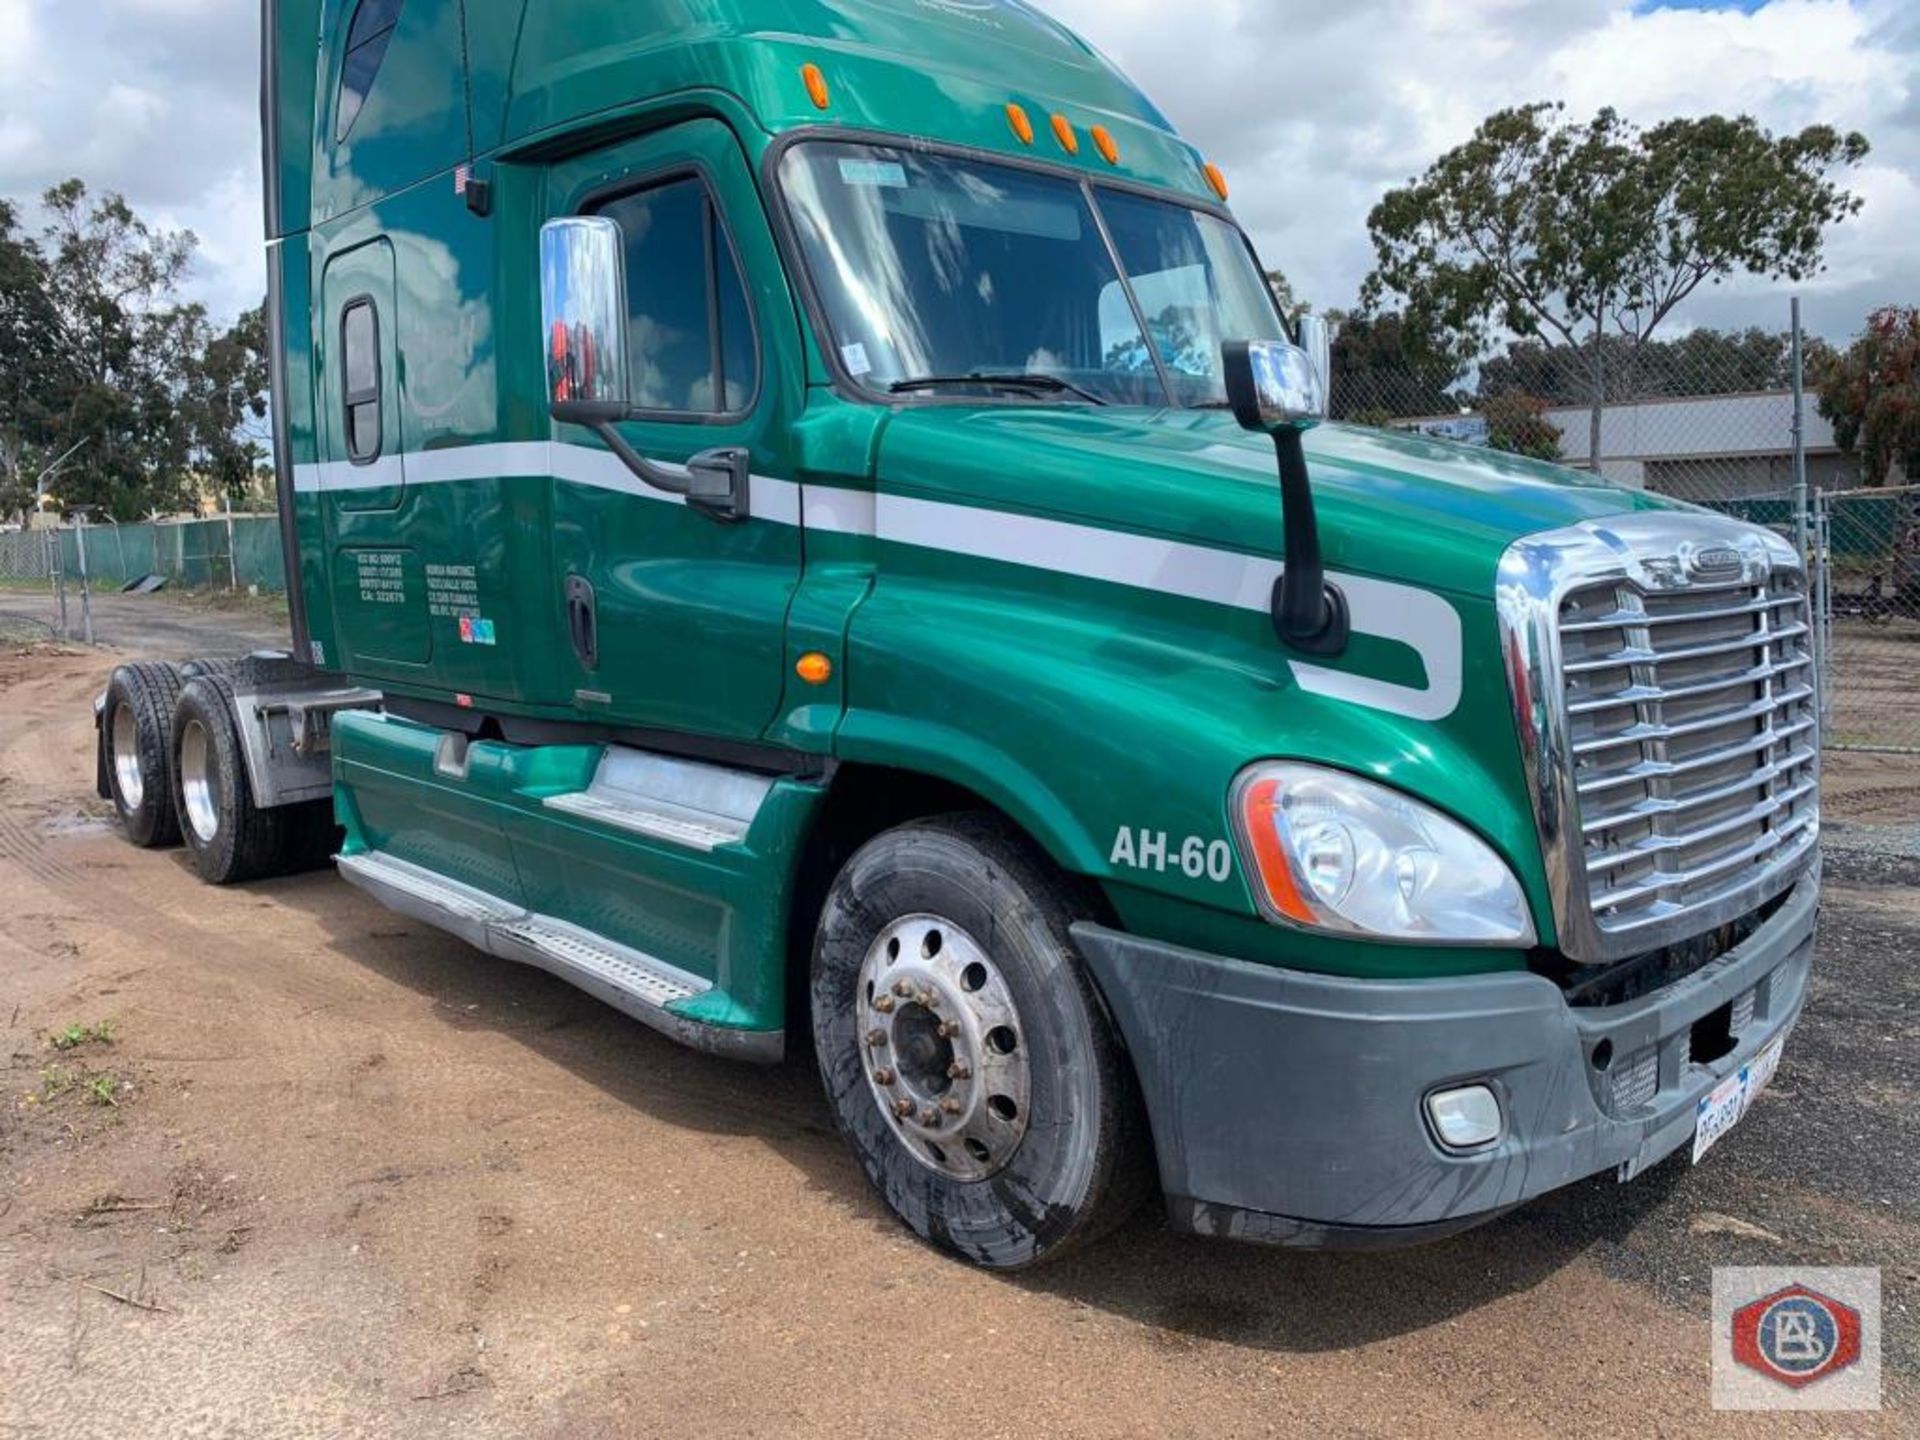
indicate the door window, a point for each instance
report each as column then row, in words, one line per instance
column 689, row 328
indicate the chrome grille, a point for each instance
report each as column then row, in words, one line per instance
column 1671, row 720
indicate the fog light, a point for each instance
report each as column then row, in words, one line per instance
column 1467, row 1118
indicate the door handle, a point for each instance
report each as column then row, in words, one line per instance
column 583, row 621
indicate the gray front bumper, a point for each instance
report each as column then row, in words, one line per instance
column 1287, row 1106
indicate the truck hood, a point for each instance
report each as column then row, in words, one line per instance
column 1391, row 505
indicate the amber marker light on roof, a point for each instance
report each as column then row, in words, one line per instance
column 1063, row 132
column 1022, row 125
column 1218, row 180
column 1103, row 142
column 816, row 86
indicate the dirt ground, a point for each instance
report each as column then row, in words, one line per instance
column 331, row 1173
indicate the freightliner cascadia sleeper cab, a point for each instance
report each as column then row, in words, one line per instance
column 805, row 519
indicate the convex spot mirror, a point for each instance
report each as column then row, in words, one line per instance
column 583, row 308
column 1274, row 386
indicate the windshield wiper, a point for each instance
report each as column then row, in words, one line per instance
column 1046, row 384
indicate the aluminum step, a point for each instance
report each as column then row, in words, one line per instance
column 634, row 983
column 683, row 802
column 595, row 963
column 414, row 891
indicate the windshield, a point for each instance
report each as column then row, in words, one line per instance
column 935, row 268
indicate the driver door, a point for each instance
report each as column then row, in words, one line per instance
column 668, row 617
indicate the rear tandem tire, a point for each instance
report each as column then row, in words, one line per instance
column 230, row 838
column 966, row 1053
column 136, row 747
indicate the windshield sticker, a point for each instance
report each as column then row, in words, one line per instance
column 855, row 357
column 884, row 173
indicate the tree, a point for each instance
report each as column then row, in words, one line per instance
column 1568, row 233
column 1518, row 424
column 1871, row 393
column 225, row 405
column 34, row 386
column 1290, row 305
column 1702, row 362
column 1380, row 368
column 98, row 351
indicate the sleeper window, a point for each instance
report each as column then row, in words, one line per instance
column 689, row 334
column 360, row 380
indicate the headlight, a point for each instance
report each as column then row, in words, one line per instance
column 1330, row 851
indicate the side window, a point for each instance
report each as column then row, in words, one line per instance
column 689, row 330
column 360, row 380
column 367, row 39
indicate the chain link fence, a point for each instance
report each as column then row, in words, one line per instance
column 1714, row 418
column 239, row 554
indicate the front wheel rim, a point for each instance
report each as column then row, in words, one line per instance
column 196, row 781
column 942, row 1047
column 128, row 778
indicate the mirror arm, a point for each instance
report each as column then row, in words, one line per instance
column 648, row 472
column 1309, row 614
column 714, row 482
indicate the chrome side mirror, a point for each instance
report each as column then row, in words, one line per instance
column 1275, row 386
column 1314, row 334
column 583, row 312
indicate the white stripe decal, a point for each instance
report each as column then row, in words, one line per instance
column 1420, row 619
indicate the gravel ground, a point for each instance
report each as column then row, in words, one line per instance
column 349, row 1177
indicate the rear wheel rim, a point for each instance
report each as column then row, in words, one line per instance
column 196, row 781
column 128, row 778
column 943, row 1048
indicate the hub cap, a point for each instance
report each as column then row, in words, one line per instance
column 196, row 781
column 943, row 1048
column 126, row 758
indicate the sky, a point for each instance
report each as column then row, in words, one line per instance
column 1314, row 109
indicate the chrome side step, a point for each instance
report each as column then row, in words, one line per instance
column 683, row 802
column 631, row 982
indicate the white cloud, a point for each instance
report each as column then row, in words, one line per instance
column 1314, row 109
column 1315, row 113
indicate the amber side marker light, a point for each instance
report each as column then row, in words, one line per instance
column 814, row 668
column 1218, row 180
column 1022, row 124
column 816, row 86
column 1063, row 132
column 1276, row 872
column 1104, row 142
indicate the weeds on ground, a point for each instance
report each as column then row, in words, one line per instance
column 76, row 1035
column 59, row 1081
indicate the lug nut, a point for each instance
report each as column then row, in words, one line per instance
column 949, row 1029
column 877, row 1039
column 884, row 1075
column 903, row 1107
column 903, row 988
column 884, row 1004
column 929, row 999
column 950, row 1105
column 930, row 1118
column 960, row 1070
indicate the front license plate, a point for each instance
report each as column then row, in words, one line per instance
column 1721, row 1109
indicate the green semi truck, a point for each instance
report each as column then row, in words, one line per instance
column 805, row 520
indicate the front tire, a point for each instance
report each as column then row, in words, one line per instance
column 965, row 1051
